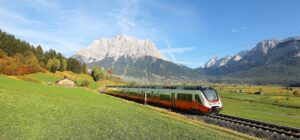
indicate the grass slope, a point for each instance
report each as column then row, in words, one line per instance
column 48, row 77
column 36, row 111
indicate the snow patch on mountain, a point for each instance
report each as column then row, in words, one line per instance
column 211, row 62
column 297, row 54
column 223, row 61
column 215, row 62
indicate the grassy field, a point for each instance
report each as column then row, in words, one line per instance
column 279, row 105
column 31, row 110
column 278, row 100
column 282, row 110
column 267, row 90
column 51, row 78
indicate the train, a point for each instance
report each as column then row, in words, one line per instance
column 196, row 99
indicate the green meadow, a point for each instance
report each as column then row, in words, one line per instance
column 278, row 109
column 31, row 110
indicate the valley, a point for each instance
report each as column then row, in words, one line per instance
column 149, row 70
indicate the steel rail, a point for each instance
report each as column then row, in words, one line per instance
column 282, row 130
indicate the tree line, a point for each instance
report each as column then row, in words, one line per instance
column 18, row 57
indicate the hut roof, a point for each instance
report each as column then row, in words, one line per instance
column 66, row 77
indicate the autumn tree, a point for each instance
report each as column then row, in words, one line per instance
column 98, row 73
column 84, row 68
column 53, row 65
column 63, row 65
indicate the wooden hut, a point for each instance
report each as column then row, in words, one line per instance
column 67, row 82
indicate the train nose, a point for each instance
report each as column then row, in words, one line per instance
column 216, row 109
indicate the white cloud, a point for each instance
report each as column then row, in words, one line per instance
column 170, row 53
column 240, row 29
column 68, row 29
column 233, row 30
column 177, row 50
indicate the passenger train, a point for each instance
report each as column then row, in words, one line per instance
column 204, row 100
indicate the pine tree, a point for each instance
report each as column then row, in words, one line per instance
column 74, row 65
column 84, row 68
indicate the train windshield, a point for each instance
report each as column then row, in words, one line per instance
column 211, row 95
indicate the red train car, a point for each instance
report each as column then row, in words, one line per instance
column 192, row 98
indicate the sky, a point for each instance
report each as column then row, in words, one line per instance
column 188, row 32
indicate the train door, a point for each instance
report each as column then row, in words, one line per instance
column 198, row 101
column 173, row 99
column 157, row 97
column 145, row 98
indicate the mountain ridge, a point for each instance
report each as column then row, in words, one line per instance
column 116, row 47
column 270, row 59
column 129, row 57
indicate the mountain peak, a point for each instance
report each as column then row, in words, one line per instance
column 118, row 46
column 265, row 45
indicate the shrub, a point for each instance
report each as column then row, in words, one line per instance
column 85, row 83
column 295, row 92
column 53, row 69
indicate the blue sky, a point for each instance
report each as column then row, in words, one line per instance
column 186, row 31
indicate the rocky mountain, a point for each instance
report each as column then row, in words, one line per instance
column 268, row 60
column 132, row 58
column 215, row 62
column 119, row 46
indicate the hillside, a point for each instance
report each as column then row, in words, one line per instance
column 157, row 69
column 18, row 57
column 50, row 78
column 35, row 111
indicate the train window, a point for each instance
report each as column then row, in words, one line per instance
column 197, row 98
column 149, row 95
column 210, row 95
column 185, row 97
column 165, row 97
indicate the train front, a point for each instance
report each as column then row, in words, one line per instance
column 212, row 100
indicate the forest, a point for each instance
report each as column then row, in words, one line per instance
column 18, row 57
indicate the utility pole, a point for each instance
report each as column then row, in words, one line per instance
column 145, row 100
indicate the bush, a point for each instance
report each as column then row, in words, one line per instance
column 53, row 69
column 85, row 83
column 296, row 92
column 98, row 73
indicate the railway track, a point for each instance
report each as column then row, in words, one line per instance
column 255, row 128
